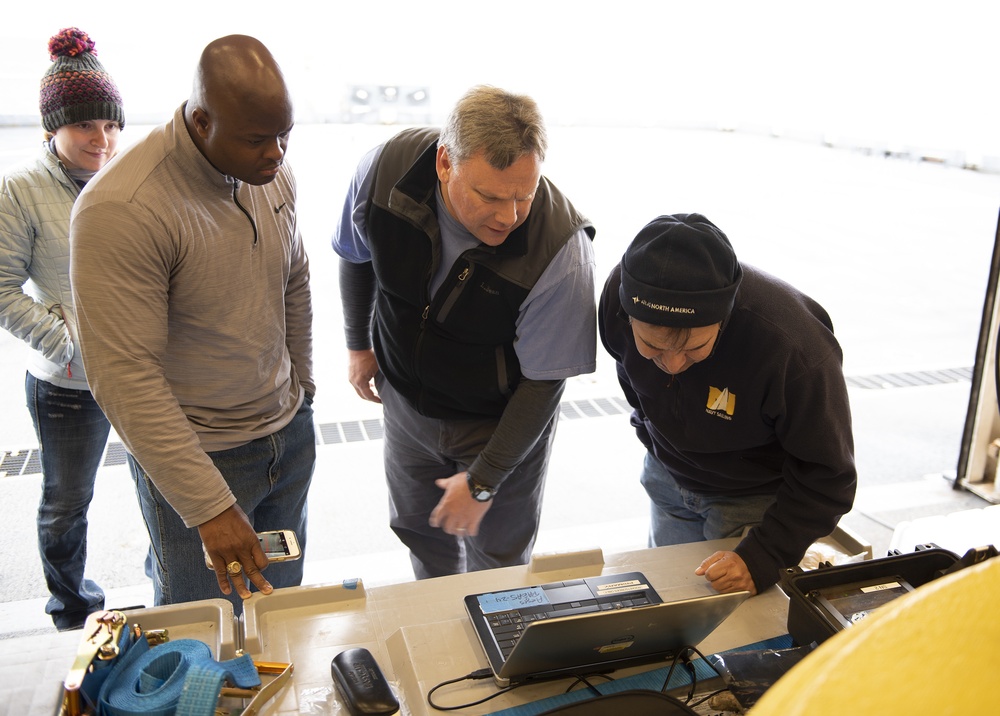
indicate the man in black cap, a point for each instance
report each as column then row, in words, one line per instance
column 738, row 392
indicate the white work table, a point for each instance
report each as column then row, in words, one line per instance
column 418, row 632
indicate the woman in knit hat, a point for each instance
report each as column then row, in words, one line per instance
column 82, row 116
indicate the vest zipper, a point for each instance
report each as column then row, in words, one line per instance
column 453, row 296
column 415, row 358
column 442, row 314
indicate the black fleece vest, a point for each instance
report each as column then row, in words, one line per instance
column 452, row 357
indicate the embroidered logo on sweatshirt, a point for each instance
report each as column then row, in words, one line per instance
column 721, row 403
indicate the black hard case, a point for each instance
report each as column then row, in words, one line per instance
column 807, row 623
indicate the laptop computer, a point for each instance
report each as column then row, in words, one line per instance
column 587, row 626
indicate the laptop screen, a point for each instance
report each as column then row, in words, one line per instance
column 600, row 623
column 560, row 596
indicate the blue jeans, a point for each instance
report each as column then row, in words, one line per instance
column 270, row 478
column 678, row 515
column 72, row 434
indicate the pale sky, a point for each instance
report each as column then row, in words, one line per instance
column 893, row 72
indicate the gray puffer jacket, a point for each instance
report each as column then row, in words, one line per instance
column 36, row 304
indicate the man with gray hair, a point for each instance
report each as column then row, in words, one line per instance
column 467, row 282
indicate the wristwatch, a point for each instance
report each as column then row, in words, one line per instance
column 480, row 493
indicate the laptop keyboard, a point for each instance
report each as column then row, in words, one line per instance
column 508, row 626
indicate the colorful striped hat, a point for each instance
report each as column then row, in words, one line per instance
column 77, row 88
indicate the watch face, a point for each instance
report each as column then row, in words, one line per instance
column 479, row 492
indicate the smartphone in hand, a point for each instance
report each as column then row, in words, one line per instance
column 278, row 545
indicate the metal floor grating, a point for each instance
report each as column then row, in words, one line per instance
column 26, row 462
column 882, row 381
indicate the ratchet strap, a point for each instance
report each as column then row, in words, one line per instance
column 176, row 678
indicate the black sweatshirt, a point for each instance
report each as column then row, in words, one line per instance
column 783, row 427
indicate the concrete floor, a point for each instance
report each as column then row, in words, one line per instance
column 896, row 250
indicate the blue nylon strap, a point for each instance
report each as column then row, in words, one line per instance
column 91, row 688
column 204, row 682
column 652, row 680
column 152, row 682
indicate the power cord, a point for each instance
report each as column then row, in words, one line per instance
column 474, row 676
column 583, row 680
column 683, row 657
column 486, row 673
